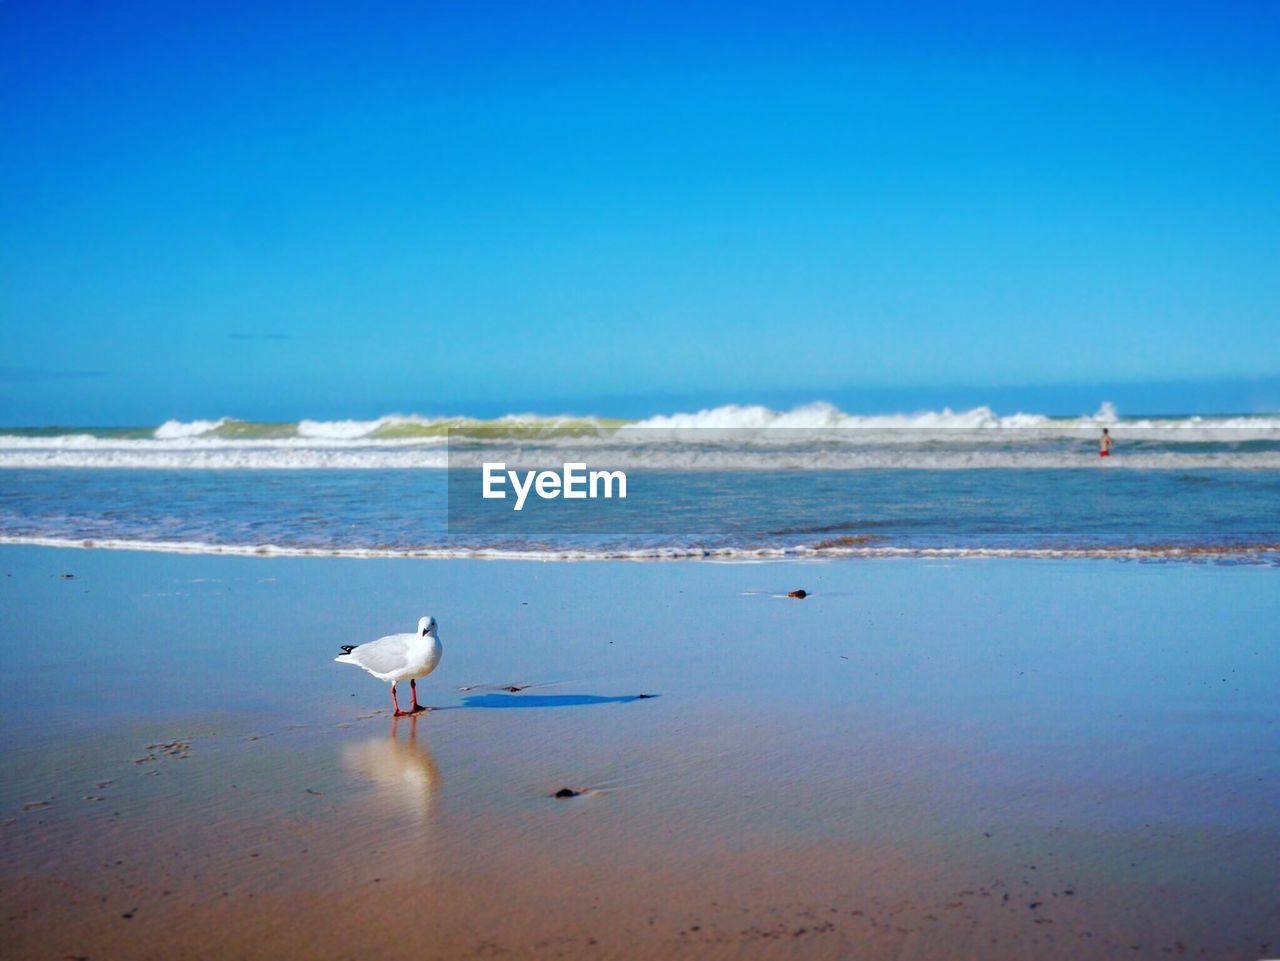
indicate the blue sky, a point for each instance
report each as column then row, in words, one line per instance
column 281, row 210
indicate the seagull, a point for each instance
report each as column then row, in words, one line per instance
column 397, row 657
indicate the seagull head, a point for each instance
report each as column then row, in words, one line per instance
column 427, row 625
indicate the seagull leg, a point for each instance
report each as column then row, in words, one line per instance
column 396, row 701
column 413, row 686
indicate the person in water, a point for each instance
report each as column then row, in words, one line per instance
column 1104, row 443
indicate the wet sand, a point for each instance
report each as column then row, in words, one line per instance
column 995, row 759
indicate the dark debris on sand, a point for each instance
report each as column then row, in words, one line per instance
column 799, row 595
column 566, row 792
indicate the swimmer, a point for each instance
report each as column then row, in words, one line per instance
column 1104, row 443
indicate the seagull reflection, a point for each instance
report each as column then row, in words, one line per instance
column 405, row 777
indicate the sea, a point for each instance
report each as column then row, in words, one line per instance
column 733, row 482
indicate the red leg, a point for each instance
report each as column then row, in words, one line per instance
column 413, row 686
column 396, row 701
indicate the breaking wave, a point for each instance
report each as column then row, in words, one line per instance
column 734, row 437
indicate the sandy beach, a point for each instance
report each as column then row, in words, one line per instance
column 996, row 759
column 837, row 444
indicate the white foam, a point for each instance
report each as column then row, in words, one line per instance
column 173, row 429
column 228, row 456
column 242, row 456
column 824, row 416
column 348, row 429
column 1106, row 413
column 799, row 552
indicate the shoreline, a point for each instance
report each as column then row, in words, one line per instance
column 1262, row 552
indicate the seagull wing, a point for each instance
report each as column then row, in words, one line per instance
column 383, row 656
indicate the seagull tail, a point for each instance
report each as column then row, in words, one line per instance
column 345, row 657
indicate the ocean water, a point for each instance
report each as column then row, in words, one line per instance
column 728, row 482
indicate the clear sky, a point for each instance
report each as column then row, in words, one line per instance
column 276, row 210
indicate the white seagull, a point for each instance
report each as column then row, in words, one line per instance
column 398, row 657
